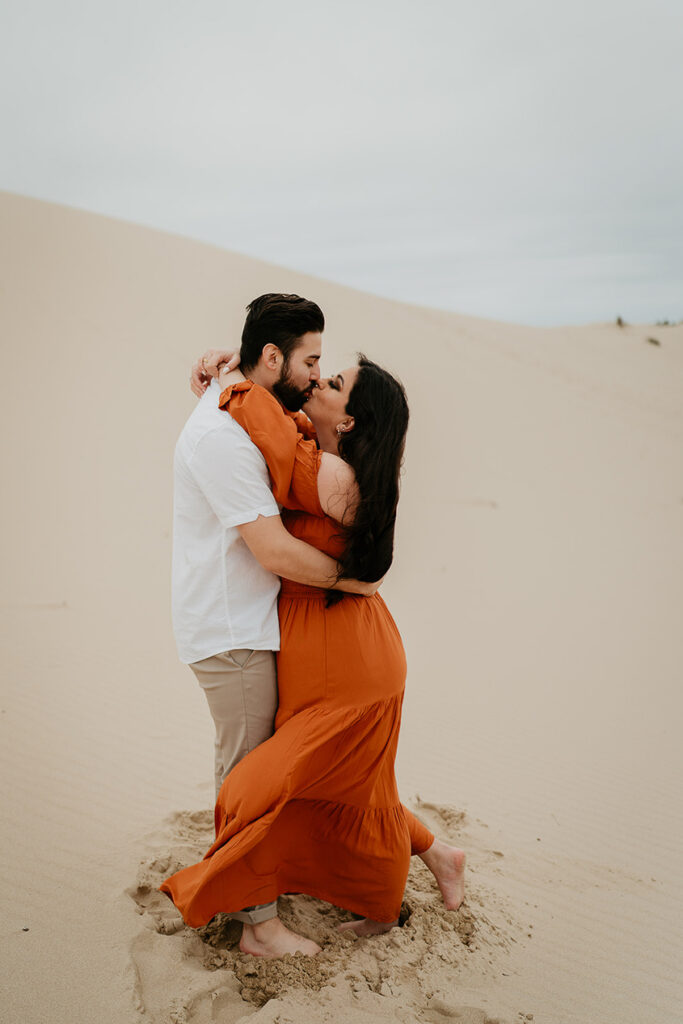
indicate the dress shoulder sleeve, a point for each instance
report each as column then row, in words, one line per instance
column 292, row 460
column 304, row 425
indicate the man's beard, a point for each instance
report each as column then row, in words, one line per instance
column 290, row 396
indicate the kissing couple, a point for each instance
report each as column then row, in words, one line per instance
column 283, row 529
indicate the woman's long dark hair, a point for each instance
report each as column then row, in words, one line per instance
column 374, row 450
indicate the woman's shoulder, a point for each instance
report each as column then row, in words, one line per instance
column 337, row 487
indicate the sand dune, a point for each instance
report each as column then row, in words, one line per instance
column 538, row 587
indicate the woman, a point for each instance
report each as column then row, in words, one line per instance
column 315, row 809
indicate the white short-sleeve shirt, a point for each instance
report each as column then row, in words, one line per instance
column 223, row 599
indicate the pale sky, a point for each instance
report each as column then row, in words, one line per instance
column 519, row 161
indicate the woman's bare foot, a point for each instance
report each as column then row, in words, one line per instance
column 271, row 938
column 447, row 864
column 367, row 927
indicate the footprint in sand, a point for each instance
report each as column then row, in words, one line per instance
column 440, row 1012
column 157, row 910
column 447, row 820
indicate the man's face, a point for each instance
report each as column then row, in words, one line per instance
column 300, row 372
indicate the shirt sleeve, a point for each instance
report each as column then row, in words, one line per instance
column 233, row 479
column 293, row 462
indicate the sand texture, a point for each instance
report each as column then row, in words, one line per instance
column 538, row 586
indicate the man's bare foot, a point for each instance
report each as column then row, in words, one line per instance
column 271, row 938
column 447, row 864
column 367, row 927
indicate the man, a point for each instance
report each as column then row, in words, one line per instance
column 230, row 548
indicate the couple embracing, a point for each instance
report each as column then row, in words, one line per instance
column 283, row 526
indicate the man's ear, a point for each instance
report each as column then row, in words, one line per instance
column 272, row 356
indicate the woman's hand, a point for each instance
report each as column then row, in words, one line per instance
column 208, row 366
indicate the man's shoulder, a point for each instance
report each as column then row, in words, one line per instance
column 208, row 423
column 206, row 418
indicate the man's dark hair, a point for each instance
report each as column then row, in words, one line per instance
column 279, row 320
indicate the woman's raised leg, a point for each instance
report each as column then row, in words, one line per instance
column 446, row 863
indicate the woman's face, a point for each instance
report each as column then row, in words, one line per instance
column 326, row 407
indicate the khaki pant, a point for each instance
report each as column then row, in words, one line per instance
column 241, row 690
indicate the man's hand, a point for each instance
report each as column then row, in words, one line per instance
column 208, row 366
column 358, row 587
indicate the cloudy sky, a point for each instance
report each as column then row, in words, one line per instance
column 515, row 160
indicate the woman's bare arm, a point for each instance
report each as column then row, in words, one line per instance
column 337, row 488
column 227, row 376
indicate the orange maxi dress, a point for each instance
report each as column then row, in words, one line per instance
column 315, row 808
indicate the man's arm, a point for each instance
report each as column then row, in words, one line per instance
column 284, row 555
column 265, row 536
